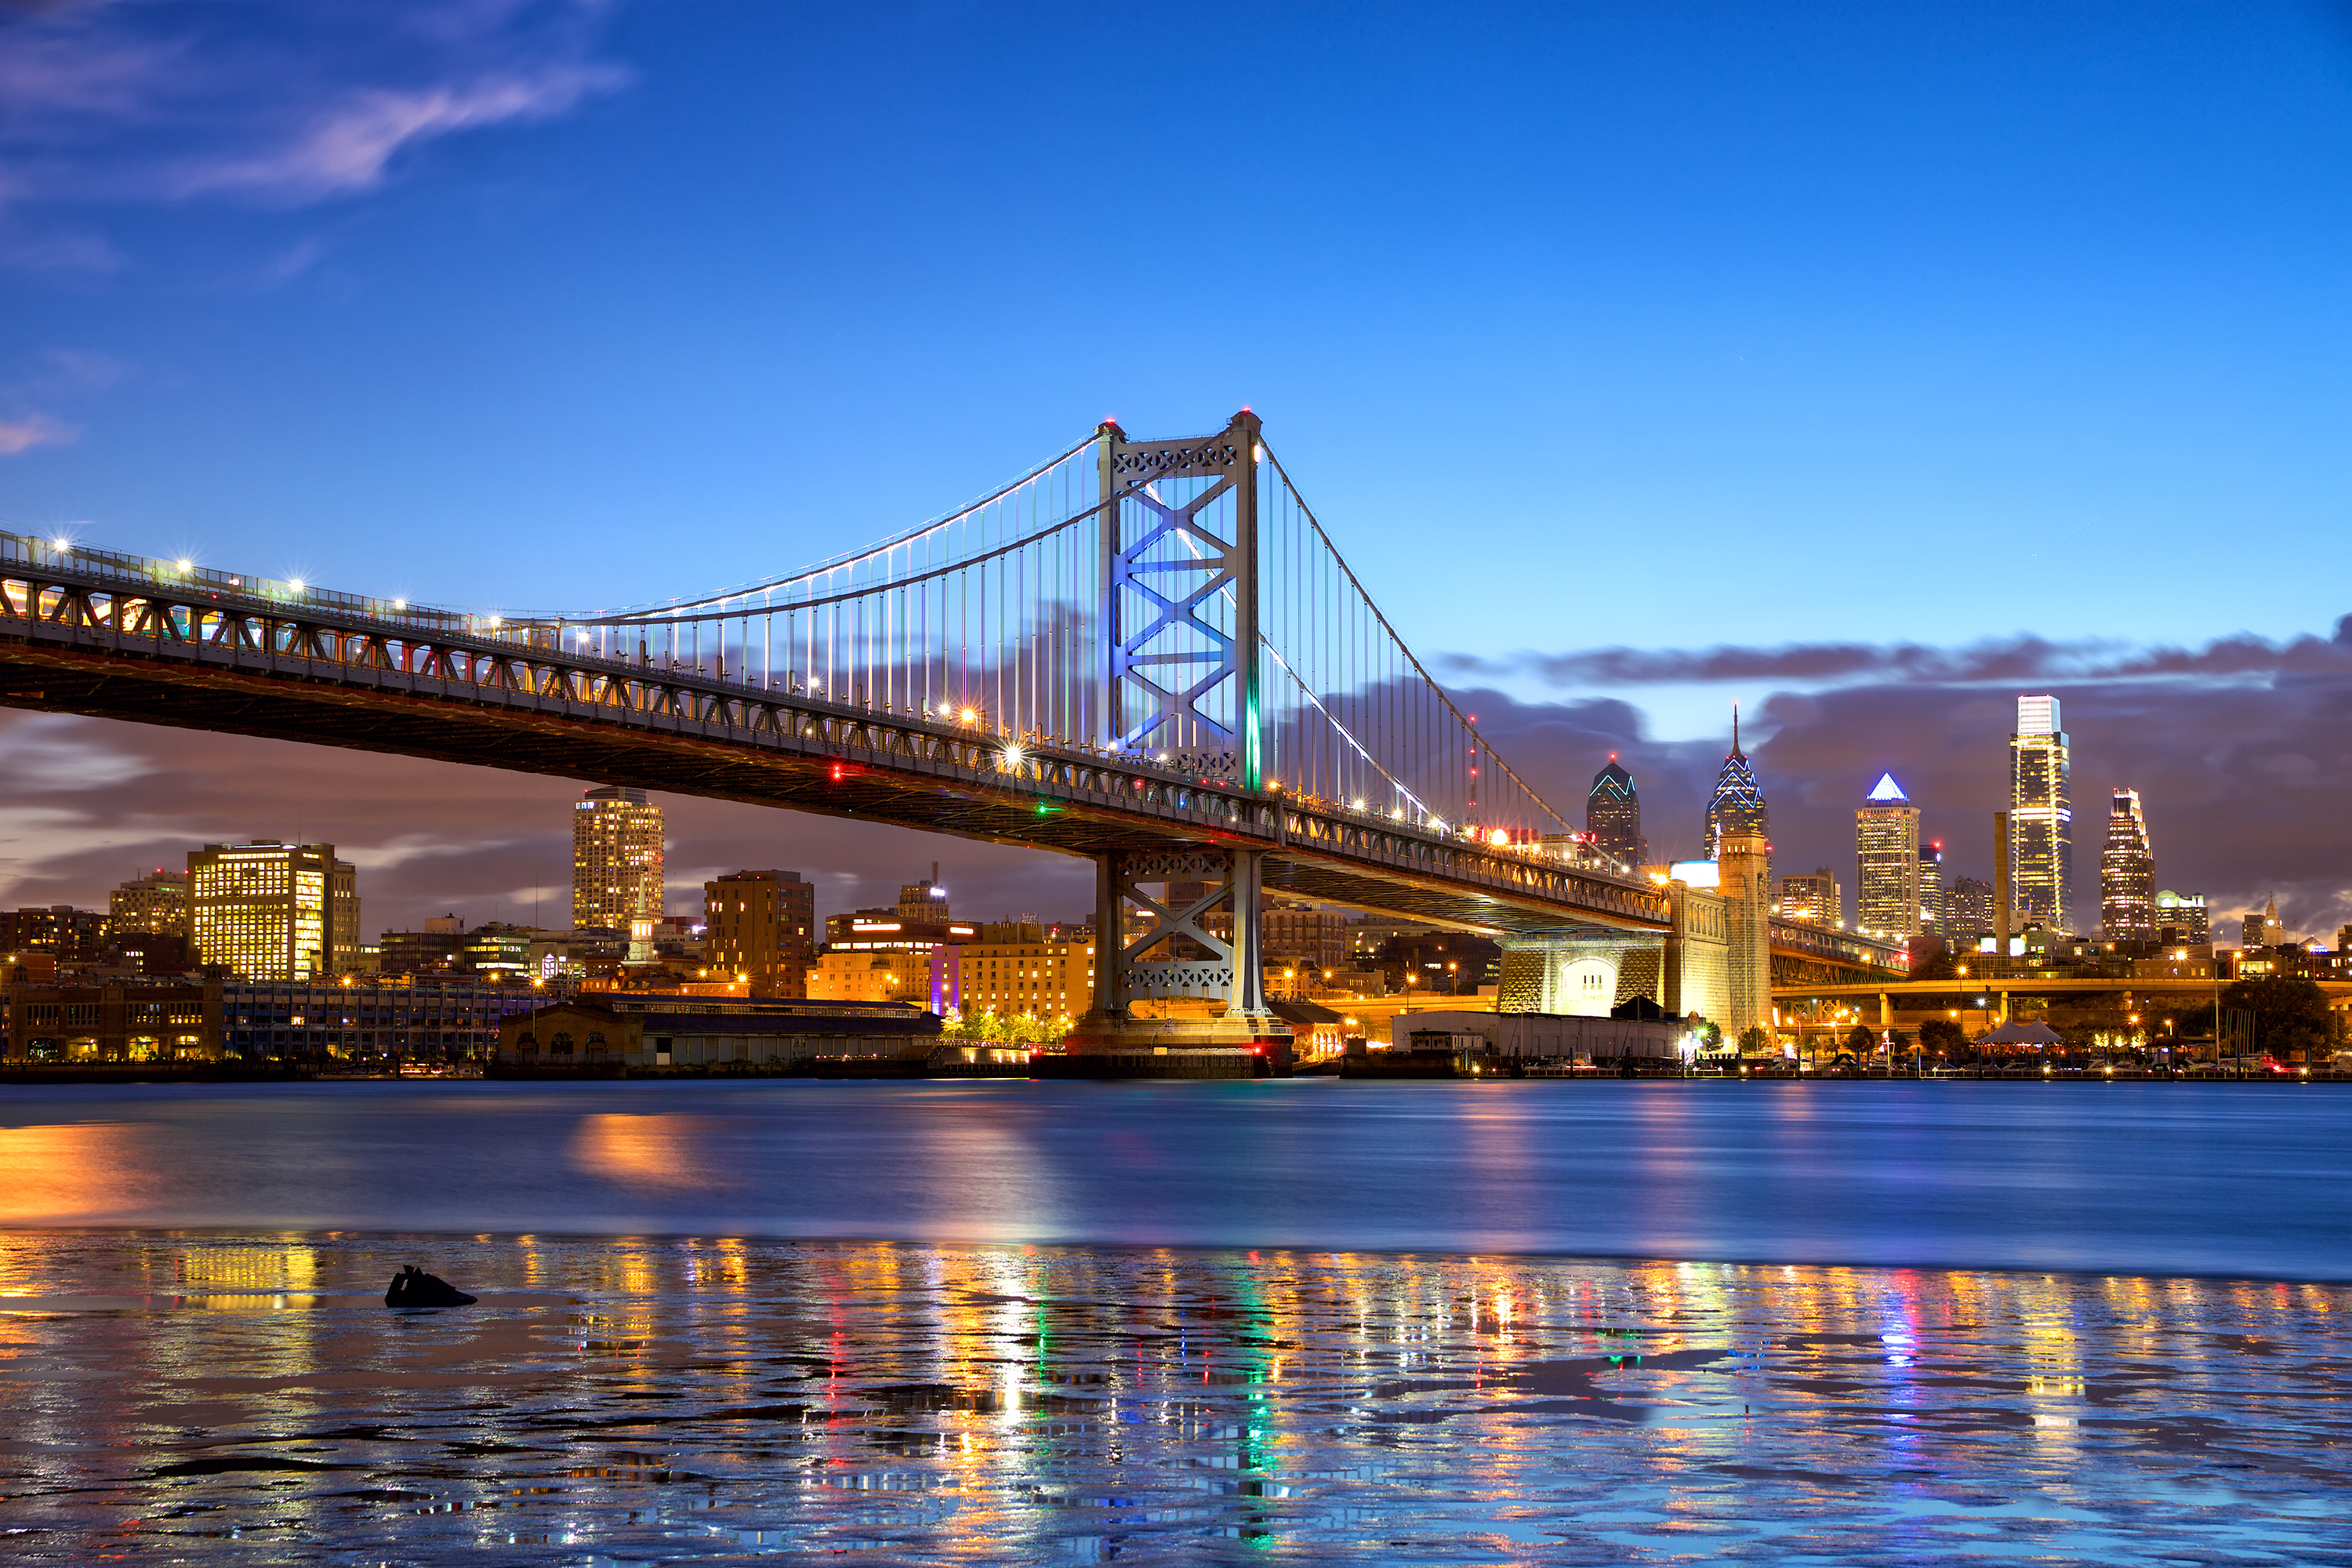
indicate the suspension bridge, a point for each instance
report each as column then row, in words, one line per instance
column 1148, row 652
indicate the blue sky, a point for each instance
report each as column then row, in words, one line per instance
column 1586, row 326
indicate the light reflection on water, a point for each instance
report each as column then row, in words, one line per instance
column 643, row 1399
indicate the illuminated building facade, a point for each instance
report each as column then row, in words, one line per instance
column 68, row 934
column 2040, row 817
column 157, row 902
column 2180, row 918
column 1047, row 979
column 2127, row 874
column 1813, row 898
column 1303, row 935
column 1931, row 887
column 924, row 903
column 1737, row 804
column 1613, row 817
column 761, row 925
column 1886, row 857
column 2264, row 930
column 1968, row 909
column 273, row 912
column 617, row 860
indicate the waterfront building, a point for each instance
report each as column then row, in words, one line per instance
column 617, row 861
column 2041, row 817
column 661, row 1029
column 157, row 903
column 1613, row 815
column 920, row 959
column 1968, row 909
column 1886, row 857
column 2127, row 874
column 1737, row 804
column 273, row 912
column 1048, row 979
column 1812, row 898
column 1931, row 887
column 845, row 975
column 2182, row 919
column 69, row 935
column 761, row 925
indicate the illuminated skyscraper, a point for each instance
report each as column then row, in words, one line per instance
column 1613, row 815
column 1931, row 887
column 2182, row 918
column 1737, row 804
column 1815, row 899
column 616, row 859
column 273, row 912
column 1886, row 857
column 2040, row 817
column 2127, row 874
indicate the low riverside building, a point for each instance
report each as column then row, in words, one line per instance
column 661, row 1029
column 1561, row 1038
column 118, row 1023
column 421, row 1019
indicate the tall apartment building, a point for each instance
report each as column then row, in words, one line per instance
column 68, row 934
column 763, row 926
column 1613, row 815
column 1968, row 909
column 157, row 902
column 273, row 912
column 1813, row 898
column 2041, row 817
column 1931, row 887
column 1737, row 804
column 616, row 859
column 1886, row 857
column 2127, row 874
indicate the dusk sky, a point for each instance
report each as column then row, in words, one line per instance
column 1865, row 365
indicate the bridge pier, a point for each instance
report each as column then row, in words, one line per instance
column 1177, row 927
column 1574, row 976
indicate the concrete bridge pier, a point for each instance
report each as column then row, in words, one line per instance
column 1576, row 975
column 1177, row 926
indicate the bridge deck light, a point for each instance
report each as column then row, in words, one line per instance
column 295, row 584
column 188, row 565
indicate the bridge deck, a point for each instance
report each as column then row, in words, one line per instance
column 110, row 644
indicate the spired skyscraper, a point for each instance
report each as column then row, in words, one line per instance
column 2040, row 817
column 2127, row 874
column 1887, row 863
column 1613, row 815
column 1738, row 805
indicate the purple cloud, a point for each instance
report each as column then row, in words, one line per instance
column 278, row 101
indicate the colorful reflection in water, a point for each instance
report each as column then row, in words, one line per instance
column 635, row 1400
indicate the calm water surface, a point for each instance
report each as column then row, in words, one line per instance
column 1307, row 1320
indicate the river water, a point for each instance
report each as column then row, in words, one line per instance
column 1315, row 1320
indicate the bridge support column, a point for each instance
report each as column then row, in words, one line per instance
column 1578, row 975
column 1177, row 931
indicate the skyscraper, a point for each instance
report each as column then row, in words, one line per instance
column 2127, row 874
column 1613, row 815
column 1968, row 910
column 1931, row 887
column 1815, row 899
column 273, row 912
column 616, row 859
column 1886, row 857
column 2041, row 817
column 2182, row 918
column 1737, row 804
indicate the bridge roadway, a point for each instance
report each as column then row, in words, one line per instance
column 121, row 637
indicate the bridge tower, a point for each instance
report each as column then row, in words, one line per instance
column 1179, row 684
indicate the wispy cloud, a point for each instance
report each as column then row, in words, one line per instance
column 27, row 431
column 1995, row 662
column 278, row 101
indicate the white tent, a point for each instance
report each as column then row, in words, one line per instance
column 2022, row 1035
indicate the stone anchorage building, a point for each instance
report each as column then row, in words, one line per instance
column 619, row 1029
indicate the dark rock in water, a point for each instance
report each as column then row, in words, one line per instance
column 412, row 1286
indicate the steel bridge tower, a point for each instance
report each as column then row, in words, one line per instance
column 1180, row 670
